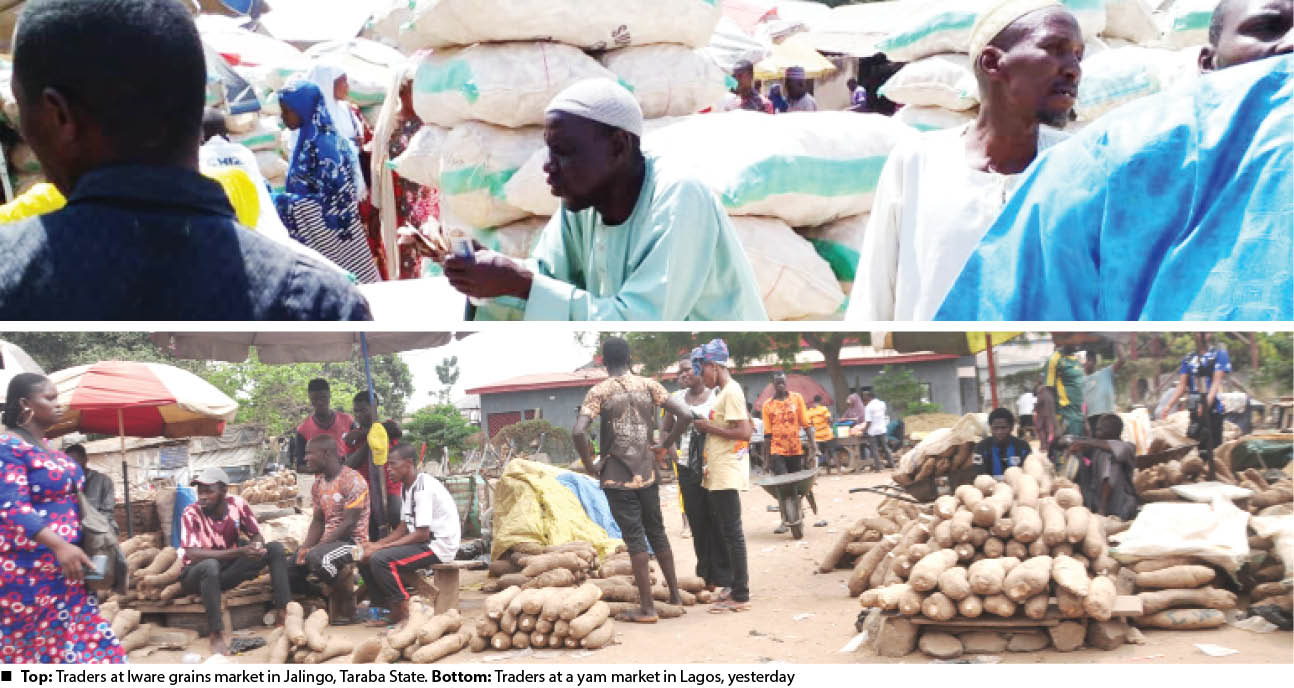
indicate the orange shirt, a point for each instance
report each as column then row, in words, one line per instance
column 820, row 419
column 783, row 419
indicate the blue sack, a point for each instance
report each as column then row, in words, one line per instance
column 184, row 496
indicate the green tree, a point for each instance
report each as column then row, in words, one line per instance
column 900, row 390
column 447, row 372
column 440, row 425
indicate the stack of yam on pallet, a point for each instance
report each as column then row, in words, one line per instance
column 557, row 617
column 531, row 565
column 152, row 570
column 271, row 489
column 1180, row 593
column 1023, row 549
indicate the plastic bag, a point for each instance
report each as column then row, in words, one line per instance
column 795, row 283
column 1281, row 530
column 944, row 81
column 1214, row 532
column 668, row 80
column 477, row 160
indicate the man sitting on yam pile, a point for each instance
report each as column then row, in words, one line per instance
column 634, row 239
column 428, row 533
column 223, row 547
column 938, row 193
column 1001, row 449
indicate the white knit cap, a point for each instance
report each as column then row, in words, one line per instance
column 1000, row 15
column 601, row 100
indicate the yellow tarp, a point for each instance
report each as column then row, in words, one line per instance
column 794, row 51
column 531, row 506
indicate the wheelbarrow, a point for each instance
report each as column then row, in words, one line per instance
column 787, row 489
column 923, row 491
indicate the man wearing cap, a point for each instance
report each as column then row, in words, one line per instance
column 634, row 239
column 323, row 421
column 222, row 546
column 726, row 468
column 746, row 96
column 798, row 97
column 940, row 191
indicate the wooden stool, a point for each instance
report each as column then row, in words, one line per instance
column 341, row 594
column 444, row 584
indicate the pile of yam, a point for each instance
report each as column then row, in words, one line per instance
column 153, row 572
column 958, row 458
column 558, row 617
column 305, row 640
column 531, row 565
column 1007, row 549
column 270, row 489
column 133, row 635
column 866, row 534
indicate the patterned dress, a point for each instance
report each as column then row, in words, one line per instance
column 43, row 617
column 414, row 203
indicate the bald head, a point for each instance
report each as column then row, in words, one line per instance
column 1247, row 30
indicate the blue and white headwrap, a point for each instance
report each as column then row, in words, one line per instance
column 715, row 351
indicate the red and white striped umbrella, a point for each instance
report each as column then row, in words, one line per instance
column 134, row 399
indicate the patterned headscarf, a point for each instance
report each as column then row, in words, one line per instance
column 320, row 166
column 716, row 351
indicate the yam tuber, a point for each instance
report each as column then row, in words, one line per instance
column 520, row 640
column 600, row 636
column 999, row 605
column 978, row 536
column 985, row 576
column 954, row 583
column 547, row 562
column 888, row 597
column 1184, row 576
column 366, row 652
column 925, row 573
column 1070, row 575
column 511, row 579
column 526, row 623
column 985, row 484
column 279, row 647
column 969, row 496
column 137, row 638
column 994, row 548
column 993, row 507
column 293, row 624
column 1017, row 549
column 1206, row 598
column 867, row 564
column 553, row 578
column 502, row 567
column 159, row 564
column 1002, row 528
column 1095, row 544
column 552, row 607
column 407, row 634
column 1028, row 579
column 478, row 642
column 943, row 534
column 496, row 603
column 124, row 622
column 501, row 641
column 909, row 601
column 616, row 567
column 1076, row 523
column 1071, row 606
column 855, row 549
column 508, row 622
column 314, row 628
column 1036, row 607
column 937, row 606
column 166, row 577
column 945, row 506
column 1099, row 603
column 579, row 601
column 1068, row 498
column 524, row 600
column 335, row 646
column 1053, row 522
column 584, row 624
column 971, row 607
column 438, row 626
column 1038, row 548
column 1026, row 491
column 1033, row 465
column 171, row 591
column 1184, row 619
column 440, row 649
column 1028, row 524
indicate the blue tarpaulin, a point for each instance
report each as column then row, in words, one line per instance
column 1179, row 206
column 592, row 498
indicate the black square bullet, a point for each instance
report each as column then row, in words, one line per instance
column 6, row 675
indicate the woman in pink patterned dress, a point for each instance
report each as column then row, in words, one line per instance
column 46, row 614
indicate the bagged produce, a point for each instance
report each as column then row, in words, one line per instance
column 263, row 136
column 794, row 282
column 508, row 84
column 839, row 243
column 515, row 239
column 933, row 118
column 271, row 165
column 368, row 66
column 1189, row 22
column 477, row 160
column 590, row 25
column 807, row 168
column 943, row 81
column 937, row 27
column 1120, row 75
column 262, row 59
column 668, row 79
column 420, row 161
column 1130, row 20
column 387, row 21
column 1090, row 15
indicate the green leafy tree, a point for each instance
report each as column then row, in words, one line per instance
column 447, row 372
column 440, row 425
column 901, row 391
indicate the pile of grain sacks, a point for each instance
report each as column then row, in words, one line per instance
column 1134, row 48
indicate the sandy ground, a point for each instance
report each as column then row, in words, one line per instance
column 799, row 615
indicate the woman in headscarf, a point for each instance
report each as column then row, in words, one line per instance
column 854, row 409
column 350, row 125
column 775, row 96
column 320, row 204
column 48, row 615
column 401, row 203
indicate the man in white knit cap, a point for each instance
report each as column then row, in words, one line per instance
column 634, row 238
column 939, row 193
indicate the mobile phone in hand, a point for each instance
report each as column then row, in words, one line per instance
column 98, row 567
column 461, row 247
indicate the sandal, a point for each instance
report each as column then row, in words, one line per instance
column 729, row 606
column 724, row 595
column 636, row 617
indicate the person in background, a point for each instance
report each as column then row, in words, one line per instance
column 1001, row 449
column 323, row 421
column 711, row 556
column 402, row 204
column 758, row 447
column 785, row 416
column 824, row 436
column 798, row 98
column 165, row 244
column 896, row 432
column 338, row 529
column 428, row 533
column 626, row 406
column 1202, row 374
column 1098, row 387
column 98, row 489
column 940, row 191
column 635, row 239
column 223, row 547
column 725, row 475
column 746, row 96
column 875, row 423
column 1242, row 31
column 1024, row 406
column 857, row 96
column 1105, row 470
column 1065, row 377
column 394, row 506
column 320, row 202
column 368, row 446
column 777, row 99
column 48, row 615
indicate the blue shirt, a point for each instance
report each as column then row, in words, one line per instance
column 1199, row 368
column 1179, row 206
column 141, row 242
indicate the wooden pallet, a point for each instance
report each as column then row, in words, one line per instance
column 1124, row 605
column 186, row 606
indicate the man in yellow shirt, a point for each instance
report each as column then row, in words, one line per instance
column 369, row 445
column 823, row 436
column 726, row 470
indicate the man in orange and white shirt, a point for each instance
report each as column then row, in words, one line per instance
column 785, row 415
column 339, row 527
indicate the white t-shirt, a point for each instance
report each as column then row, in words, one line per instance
column 219, row 153
column 930, row 211
column 874, row 413
column 1024, row 405
column 702, row 410
column 428, row 504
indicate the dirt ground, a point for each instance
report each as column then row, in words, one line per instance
column 798, row 615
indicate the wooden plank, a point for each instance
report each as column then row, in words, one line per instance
column 1128, row 605
column 198, row 608
column 472, row 565
column 981, row 622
